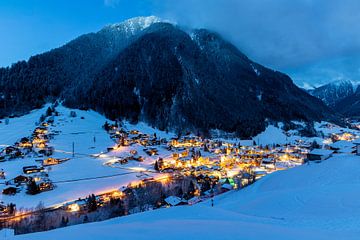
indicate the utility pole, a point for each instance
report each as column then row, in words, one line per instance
column 73, row 149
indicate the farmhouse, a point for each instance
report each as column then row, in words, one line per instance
column 175, row 201
column 32, row 169
column 319, row 154
column 21, row 179
column 50, row 161
column 46, row 185
column 10, row 191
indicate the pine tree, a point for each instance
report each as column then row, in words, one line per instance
column 106, row 126
column 49, row 112
column 64, row 221
column 91, row 203
column 156, row 166
column 32, row 187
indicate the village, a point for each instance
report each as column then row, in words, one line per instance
column 144, row 158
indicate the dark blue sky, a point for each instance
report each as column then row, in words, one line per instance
column 315, row 41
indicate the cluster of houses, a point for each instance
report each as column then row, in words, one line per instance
column 128, row 138
column 37, row 145
column 205, row 158
column 213, row 158
column 36, row 173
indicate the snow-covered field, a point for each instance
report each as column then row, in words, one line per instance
column 316, row 201
column 89, row 139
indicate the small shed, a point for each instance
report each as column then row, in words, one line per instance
column 319, row 154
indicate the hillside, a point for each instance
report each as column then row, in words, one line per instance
column 154, row 71
column 312, row 201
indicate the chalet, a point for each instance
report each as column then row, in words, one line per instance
column 342, row 146
column 139, row 158
column 32, row 169
column 134, row 132
column 10, row 191
column 13, row 152
column 226, row 187
column 151, row 151
column 258, row 172
column 194, row 200
column 50, row 161
column 133, row 152
column 40, row 130
column 175, row 201
column 3, row 209
column 25, row 143
column 46, row 186
column 47, row 151
column 21, row 179
column 319, row 154
column 268, row 161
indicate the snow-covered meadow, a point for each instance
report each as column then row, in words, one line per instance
column 316, row 201
column 83, row 174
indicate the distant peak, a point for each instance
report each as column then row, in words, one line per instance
column 342, row 82
column 134, row 24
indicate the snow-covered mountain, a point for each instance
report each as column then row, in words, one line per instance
column 333, row 92
column 134, row 25
column 148, row 69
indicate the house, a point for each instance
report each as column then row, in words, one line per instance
column 10, row 191
column 175, row 201
column 46, row 186
column 226, row 187
column 21, row 179
column 47, row 151
column 50, row 161
column 25, row 143
column 319, row 154
column 342, row 146
column 151, row 151
column 32, row 169
column 3, row 209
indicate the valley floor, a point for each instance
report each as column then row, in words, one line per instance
column 311, row 201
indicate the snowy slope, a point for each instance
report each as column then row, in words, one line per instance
column 271, row 135
column 18, row 127
column 316, row 201
column 84, row 165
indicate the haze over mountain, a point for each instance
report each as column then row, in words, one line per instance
column 146, row 69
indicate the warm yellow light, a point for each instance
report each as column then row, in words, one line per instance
column 74, row 207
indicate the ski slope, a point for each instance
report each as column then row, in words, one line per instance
column 316, row 201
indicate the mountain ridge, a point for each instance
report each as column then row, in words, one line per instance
column 162, row 75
